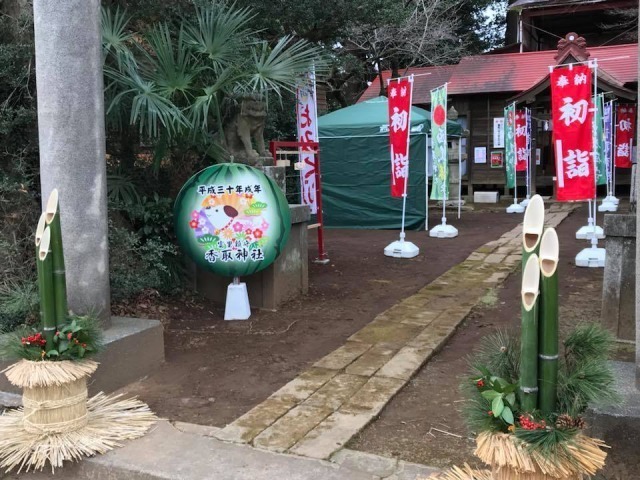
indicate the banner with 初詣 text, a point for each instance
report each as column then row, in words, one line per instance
column 510, row 144
column 624, row 135
column 440, row 179
column 399, row 127
column 573, row 133
column 307, row 122
column 522, row 141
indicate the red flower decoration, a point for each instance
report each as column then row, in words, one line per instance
column 257, row 233
column 193, row 224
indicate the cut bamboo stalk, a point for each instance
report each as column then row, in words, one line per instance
column 39, row 232
column 548, row 321
column 532, row 227
column 529, row 347
column 45, row 283
column 59, row 277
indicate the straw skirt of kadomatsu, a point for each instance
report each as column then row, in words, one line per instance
column 232, row 220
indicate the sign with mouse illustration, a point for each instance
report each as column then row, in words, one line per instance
column 232, row 219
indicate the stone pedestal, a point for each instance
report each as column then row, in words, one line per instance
column 278, row 175
column 285, row 279
column 618, row 291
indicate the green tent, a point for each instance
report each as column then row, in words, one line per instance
column 356, row 167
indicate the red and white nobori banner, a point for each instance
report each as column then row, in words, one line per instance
column 522, row 152
column 307, row 121
column 572, row 117
column 625, row 115
column 399, row 128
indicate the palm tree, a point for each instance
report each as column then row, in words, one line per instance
column 174, row 85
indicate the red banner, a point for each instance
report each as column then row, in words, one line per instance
column 399, row 127
column 522, row 155
column 625, row 115
column 572, row 117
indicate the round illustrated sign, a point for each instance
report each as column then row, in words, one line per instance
column 232, row 219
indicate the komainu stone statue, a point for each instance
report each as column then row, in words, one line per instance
column 245, row 128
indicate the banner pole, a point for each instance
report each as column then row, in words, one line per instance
column 614, row 118
column 459, row 175
column 402, row 249
column 515, row 207
column 594, row 239
column 438, row 102
column 426, row 181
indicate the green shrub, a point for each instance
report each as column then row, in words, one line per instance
column 18, row 304
column 137, row 264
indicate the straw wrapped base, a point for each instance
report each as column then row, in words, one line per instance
column 466, row 473
column 512, row 460
column 58, row 423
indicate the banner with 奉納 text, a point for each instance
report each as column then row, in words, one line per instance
column 440, row 179
column 510, row 144
column 307, row 123
column 399, row 127
column 625, row 115
column 522, row 141
column 572, row 118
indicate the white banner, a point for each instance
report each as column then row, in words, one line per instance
column 498, row 132
column 307, row 120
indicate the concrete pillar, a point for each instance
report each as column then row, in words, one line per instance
column 72, row 142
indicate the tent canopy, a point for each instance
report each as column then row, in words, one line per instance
column 372, row 117
column 356, row 167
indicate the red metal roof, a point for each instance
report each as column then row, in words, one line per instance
column 511, row 72
column 426, row 80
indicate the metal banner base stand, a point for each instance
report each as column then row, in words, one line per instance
column 592, row 256
column 515, row 207
column 401, row 249
column 443, row 230
column 237, row 304
column 609, row 204
column 587, row 231
column 525, row 202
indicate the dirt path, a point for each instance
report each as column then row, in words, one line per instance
column 422, row 423
column 216, row 371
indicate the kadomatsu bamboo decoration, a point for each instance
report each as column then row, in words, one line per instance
column 529, row 342
column 45, row 285
column 532, row 227
column 548, row 322
column 52, row 218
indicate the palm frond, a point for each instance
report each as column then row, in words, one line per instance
column 281, row 66
column 115, row 38
column 150, row 109
column 121, row 189
column 170, row 66
column 220, row 34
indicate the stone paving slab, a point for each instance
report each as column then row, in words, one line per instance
column 316, row 414
column 295, row 424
